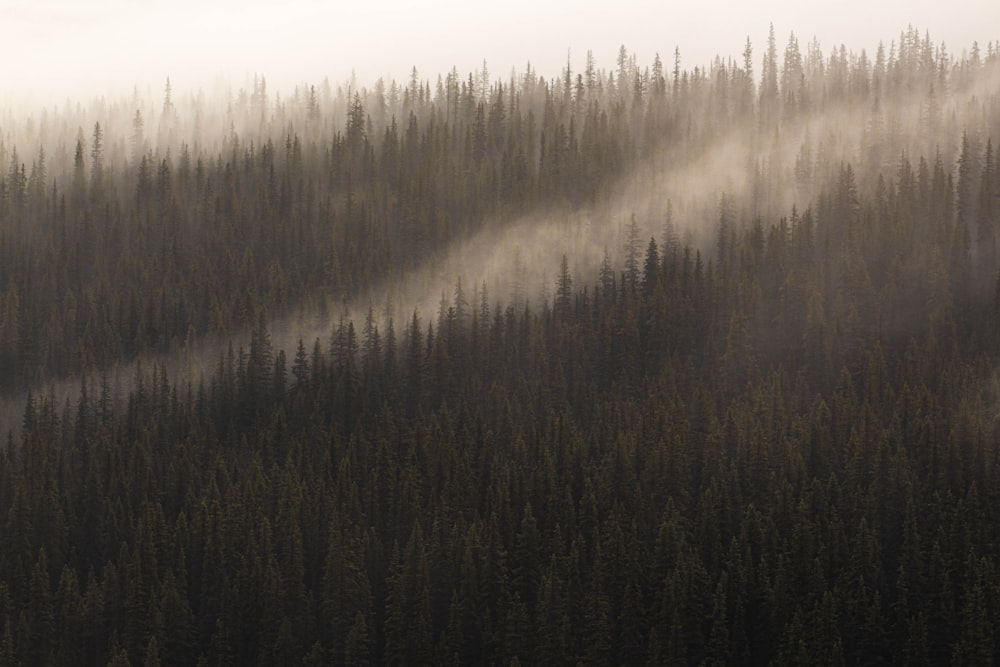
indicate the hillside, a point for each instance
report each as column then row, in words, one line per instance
column 635, row 365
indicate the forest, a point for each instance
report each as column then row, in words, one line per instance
column 636, row 364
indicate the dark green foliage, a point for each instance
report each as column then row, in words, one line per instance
column 704, row 509
column 785, row 452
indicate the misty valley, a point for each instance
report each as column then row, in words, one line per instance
column 629, row 364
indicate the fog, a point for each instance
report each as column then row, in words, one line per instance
column 345, row 329
column 517, row 261
column 81, row 49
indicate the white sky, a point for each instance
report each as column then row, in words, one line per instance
column 54, row 49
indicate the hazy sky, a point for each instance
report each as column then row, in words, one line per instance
column 79, row 48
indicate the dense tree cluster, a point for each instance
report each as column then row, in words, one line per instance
column 135, row 251
column 133, row 227
column 782, row 446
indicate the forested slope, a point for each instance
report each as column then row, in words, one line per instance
column 141, row 226
column 763, row 430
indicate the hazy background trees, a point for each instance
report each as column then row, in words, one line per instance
column 730, row 396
